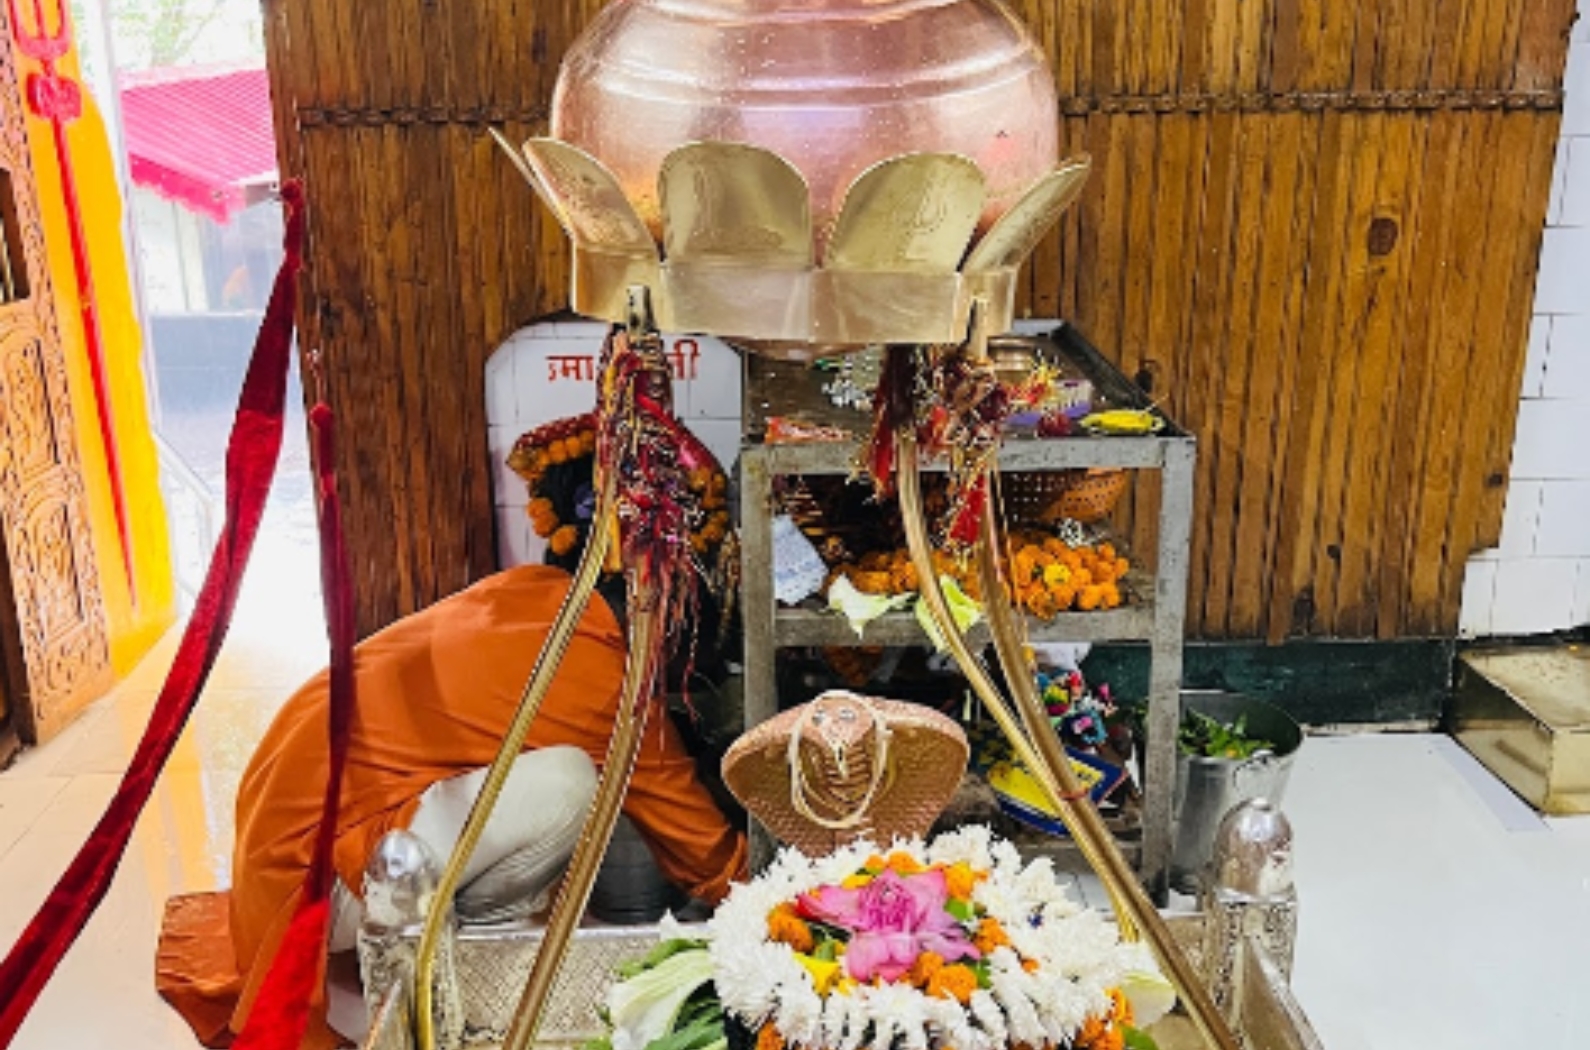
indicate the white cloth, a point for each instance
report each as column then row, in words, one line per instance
column 523, row 848
column 522, row 851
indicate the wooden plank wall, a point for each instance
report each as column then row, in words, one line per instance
column 1313, row 227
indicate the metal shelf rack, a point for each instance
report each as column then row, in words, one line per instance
column 1156, row 616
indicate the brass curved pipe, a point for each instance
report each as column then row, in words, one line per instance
column 535, row 691
column 636, row 701
column 1037, row 747
column 1059, row 784
column 1132, row 906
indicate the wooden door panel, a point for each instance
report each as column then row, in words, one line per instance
column 54, row 648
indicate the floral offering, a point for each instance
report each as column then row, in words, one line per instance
column 952, row 946
column 1045, row 574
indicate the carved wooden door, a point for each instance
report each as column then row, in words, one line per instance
column 54, row 652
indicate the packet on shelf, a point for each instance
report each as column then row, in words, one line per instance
column 782, row 430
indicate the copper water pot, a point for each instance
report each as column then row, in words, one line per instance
column 834, row 86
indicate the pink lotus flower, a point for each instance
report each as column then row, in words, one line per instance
column 892, row 920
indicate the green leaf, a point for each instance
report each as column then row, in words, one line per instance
column 964, row 911
column 827, row 950
column 703, row 1007
column 664, row 951
column 980, row 968
column 694, row 1037
column 1137, row 1039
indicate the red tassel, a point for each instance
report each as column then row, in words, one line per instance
column 250, row 465
column 281, row 1011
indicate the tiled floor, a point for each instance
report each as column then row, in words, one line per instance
column 1437, row 911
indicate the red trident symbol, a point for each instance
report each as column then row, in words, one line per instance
column 59, row 100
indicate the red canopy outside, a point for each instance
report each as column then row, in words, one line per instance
column 200, row 135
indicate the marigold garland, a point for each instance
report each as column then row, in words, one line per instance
column 572, row 440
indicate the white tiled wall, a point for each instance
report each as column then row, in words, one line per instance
column 547, row 371
column 1538, row 579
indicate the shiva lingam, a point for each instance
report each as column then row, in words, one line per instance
column 803, row 178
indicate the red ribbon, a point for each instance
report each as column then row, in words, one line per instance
column 251, row 456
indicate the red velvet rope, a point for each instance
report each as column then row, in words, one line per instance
column 281, row 1011
column 251, row 457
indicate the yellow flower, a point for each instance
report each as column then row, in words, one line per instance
column 825, row 974
column 856, row 881
column 1054, row 574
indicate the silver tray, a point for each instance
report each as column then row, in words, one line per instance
column 492, row 967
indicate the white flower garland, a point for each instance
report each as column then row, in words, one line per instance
column 1078, row 952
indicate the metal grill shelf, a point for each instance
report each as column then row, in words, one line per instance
column 1155, row 616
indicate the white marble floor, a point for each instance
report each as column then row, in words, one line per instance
column 1437, row 910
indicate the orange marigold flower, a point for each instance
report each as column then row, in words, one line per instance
column 1091, row 597
column 960, row 880
column 769, row 1039
column 905, row 864
column 926, row 966
column 1099, row 1034
column 564, row 540
column 1030, row 965
column 785, row 927
column 871, row 581
column 990, row 935
column 953, row 982
column 1120, row 1008
column 1092, row 1031
column 543, row 518
column 875, row 863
